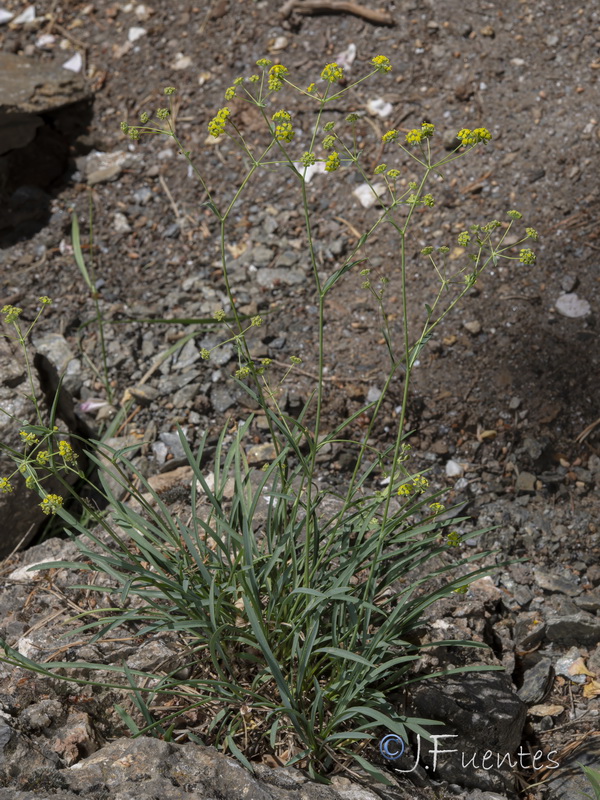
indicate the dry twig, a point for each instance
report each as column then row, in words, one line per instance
column 310, row 7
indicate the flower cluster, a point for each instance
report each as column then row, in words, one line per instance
column 284, row 131
column 453, row 539
column 276, row 75
column 390, row 136
column 11, row 313
column 332, row 73
column 308, row 159
column 264, row 62
column 51, row 503
column 329, row 142
column 216, row 126
column 468, row 136
column 381, row 63
column 332, row 163
column 163, row 113
column 416, row 136
column 5, row 486
column 527, row 256
column 464, row 238
column 67, row 452
column 28, row 438
column 417, row 485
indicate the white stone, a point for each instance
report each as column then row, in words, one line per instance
column 5, row 16
column 345, row 59
column 315, row 169
column 74, row 64
column 181, row 62
column 280, row 43
column 27, row 16
column 367, row 197
column 135, row 33
column 571, row 305
column 121, row 224
column 379, row 108
column 454, row 469
column 473, row 326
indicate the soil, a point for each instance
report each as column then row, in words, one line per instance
column 507, row 389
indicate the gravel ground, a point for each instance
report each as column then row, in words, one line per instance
column 505, row 396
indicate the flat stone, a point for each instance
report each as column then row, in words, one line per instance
column 573, row 306
column 525, row 482
column 552, row 583
column 573, row 629
column 537, row 682
column 36, row 87
column 261, row 454
column 269, row 278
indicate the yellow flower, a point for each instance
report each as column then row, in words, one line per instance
column 217, row 124
column 381, row 63
column 332, row 163
column 51, row 503
column 28, row 438
column 414, row 136
column 67, row 452
column 11, row 313
column 332, row 73
column 5, row 486
column 276, row 75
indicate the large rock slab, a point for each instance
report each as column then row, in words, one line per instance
column 37, row 87
column 482, row 714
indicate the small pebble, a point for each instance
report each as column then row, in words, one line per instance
column 573, row 306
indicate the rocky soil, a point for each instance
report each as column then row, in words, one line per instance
column 504, row 407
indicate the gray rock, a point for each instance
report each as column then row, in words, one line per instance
column 537, row 682
column 525, row 482
column 529, row 631
column 28, row 89
column 57, row 350
column 270, row 278
column 553, row 583
column 222, row 398
column 260, row 255
column 129, row 769
column 484, row 714
column 20, row 513
column 568, row 781
column 573, row 629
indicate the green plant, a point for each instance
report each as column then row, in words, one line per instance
column 299, row 607
column 90, row 282
column 593, row 776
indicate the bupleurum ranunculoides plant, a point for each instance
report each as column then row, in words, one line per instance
column 332, row 149
column 45, row 450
